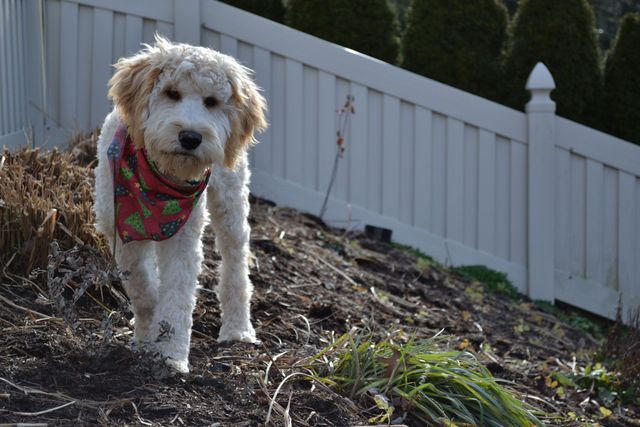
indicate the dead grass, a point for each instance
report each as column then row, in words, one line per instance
column 44, row 196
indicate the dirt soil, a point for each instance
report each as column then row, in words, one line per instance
column 68, row 362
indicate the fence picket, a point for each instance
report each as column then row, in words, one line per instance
column 627, row 245
column 326, row 129
column 423, row 136
column 595, row 220
column 133, row 34
column 455, row 180
column 293, row 121
column 68, row 64
column 101, row 63
column 357, row 141
column 486, row 190
column 262, row 66
column 390, row 156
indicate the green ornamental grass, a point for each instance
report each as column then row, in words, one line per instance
column 448, row 388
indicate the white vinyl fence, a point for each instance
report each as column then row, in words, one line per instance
column 552, row 203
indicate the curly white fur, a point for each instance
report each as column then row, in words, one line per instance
column 161, row 277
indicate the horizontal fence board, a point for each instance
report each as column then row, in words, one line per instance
column 597, row 145
column 160, row 10
column 586, row 294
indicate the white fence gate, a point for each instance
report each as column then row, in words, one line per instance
column 552, row 203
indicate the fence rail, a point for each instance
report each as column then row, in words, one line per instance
column 554, row 204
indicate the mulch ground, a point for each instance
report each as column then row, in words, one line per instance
column 65, row 361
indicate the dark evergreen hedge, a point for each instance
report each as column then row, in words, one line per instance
column 368, row 26
column 622, row 81
column 457, row 42
column 270, row 9
column 562, row 35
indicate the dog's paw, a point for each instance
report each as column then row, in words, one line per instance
column 180, row 366
column 247, row 335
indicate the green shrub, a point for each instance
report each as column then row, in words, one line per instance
column 622, row 81
column 457, row 42
column 368, row 26
column 270, row 9
column 561, row 34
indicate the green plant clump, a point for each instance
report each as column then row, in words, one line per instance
column 368, row 26
column 438, row 387
column 457, row 42
column 622, row 81
column 270, row 9
column 496, row 281
column 560, row 34
column 608, row 385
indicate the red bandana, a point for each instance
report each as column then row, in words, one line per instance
column 148, row 205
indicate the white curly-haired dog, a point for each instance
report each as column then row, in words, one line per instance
column 187, row 114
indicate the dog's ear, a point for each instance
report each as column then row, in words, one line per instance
column 130, row 88
column 247, row 117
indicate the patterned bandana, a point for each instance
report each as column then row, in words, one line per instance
column 148, row 205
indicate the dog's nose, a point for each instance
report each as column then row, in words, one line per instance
column 189, row 139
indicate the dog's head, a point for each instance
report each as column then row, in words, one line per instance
column 189, row 107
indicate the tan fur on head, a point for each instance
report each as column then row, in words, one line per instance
column 249, row 116
column 163, row 90
column 130, row 88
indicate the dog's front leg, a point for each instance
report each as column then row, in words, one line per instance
column 179, row 263
column 228, row 202
column 136, row 261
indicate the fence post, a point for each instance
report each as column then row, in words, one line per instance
column 186, row 21
column 541, row 141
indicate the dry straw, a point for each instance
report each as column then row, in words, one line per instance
column 44, row 196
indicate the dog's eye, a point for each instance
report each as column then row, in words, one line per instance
column 210, row 102
column 173, row 95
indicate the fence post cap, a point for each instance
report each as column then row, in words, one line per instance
column 540, row 84
column 540, row 78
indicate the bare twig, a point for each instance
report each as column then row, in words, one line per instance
column 46, row 411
